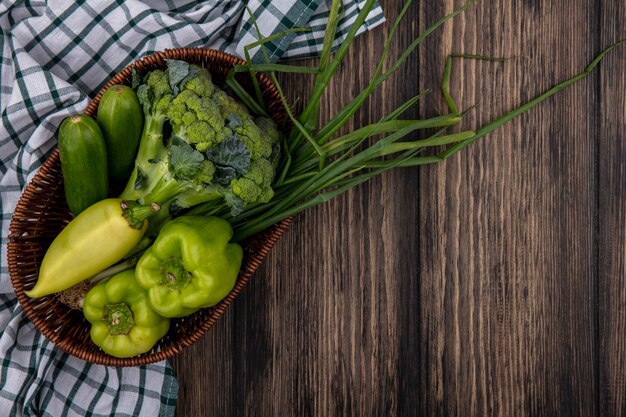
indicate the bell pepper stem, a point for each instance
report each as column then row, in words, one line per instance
column 119, row 318
column 174, row 275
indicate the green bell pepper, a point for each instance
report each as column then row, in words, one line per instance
column 191, row 265
column 122, row 322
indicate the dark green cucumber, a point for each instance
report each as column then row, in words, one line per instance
column 121, row 119
column 83, row 162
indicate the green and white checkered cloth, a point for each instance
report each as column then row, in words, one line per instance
column 55, row 55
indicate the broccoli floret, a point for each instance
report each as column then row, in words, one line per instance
column 155, row 95
column 195, row 119
column 201, row 134
column 217, row 151
column 158, row 82
column 206, row 174
column 251, row 135
column 269, row 130
column 254, row 185
column 188, row 118
column 228, row 105
column 200, row 83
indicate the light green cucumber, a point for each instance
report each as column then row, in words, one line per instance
column 121, row 119
column 83, row 162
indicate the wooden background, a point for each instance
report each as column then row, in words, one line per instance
column 492, row 284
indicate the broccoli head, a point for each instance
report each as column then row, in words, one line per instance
column 217, row 150
column 203, row 115
column 241, row 146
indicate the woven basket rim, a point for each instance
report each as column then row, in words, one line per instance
column 21, row 238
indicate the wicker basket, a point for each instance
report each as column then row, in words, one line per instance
column 42, row 212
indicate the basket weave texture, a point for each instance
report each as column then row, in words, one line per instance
column 41, row 214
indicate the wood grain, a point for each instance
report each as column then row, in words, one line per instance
column 491, row 284
column 507, row 228
column 611, row 220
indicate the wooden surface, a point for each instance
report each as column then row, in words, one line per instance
column 492, row 284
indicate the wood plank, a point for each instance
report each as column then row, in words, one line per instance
column 507, row 227
column 323, row 334
column 328, row 325
column 205, row 372
column 612, row 215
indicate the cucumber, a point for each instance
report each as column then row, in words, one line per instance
column 83, row 162
column 121, row 119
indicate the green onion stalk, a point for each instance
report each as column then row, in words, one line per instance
column 317, row 165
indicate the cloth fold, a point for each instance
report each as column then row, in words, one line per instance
column 54, row 56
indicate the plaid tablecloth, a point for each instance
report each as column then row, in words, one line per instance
column 54, row 55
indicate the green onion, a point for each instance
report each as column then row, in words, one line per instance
column 318, row 165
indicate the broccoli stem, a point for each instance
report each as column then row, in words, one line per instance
column 151, row 152
column 165, row 189
column 164, row 193
column 152, row 182
column 184, row 200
